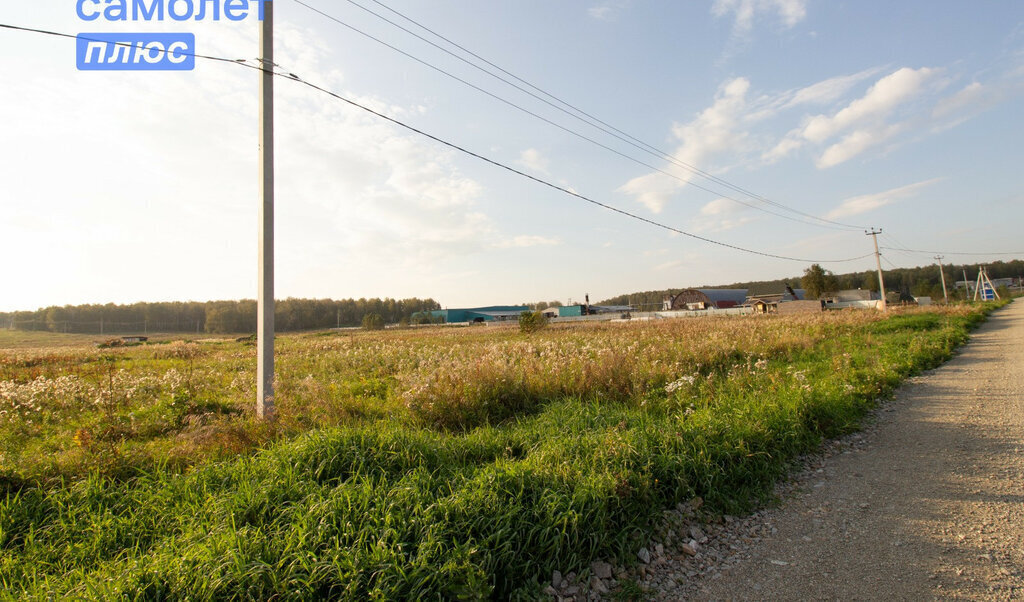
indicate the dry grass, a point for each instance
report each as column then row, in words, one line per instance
column 440, row 464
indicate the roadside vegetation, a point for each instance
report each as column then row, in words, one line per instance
column 432, row 463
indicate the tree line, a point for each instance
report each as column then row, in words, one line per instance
column 214, row 316
column 917, row 281
column 922, row 281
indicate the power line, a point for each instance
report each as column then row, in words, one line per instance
column 901, row 248
column 495, row 163
column 296, row 78
column 660, row 154
column 1019, row 253
column 127, row 44
column 578, row 113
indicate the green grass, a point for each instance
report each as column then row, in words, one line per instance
column 431, row 465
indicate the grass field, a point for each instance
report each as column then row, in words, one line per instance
column 433, row 464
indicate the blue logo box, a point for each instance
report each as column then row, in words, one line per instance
column 136, row 51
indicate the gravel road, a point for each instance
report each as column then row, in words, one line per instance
column 928, row 503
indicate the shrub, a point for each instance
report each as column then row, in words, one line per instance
column 532, row 321
column 373, row 322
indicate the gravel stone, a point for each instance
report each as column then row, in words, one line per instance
column 644, row 556
column 602, row 570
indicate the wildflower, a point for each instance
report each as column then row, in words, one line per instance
column 682, row 381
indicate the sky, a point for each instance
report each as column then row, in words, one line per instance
column 809, row 121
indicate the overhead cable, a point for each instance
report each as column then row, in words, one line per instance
column 296, row 78
column 1017, row 253
column 660, row 154
column 576, row 112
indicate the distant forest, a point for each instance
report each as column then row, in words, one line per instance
column 312, row 314
column 919, row 281
column 213, row 316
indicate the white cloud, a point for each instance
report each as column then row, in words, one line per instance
column 855, row 143
column 970, row 101
column 607, row 11
column 533, row 160
column 375, row 190
column 828, row 90
column 973, row 94
column 719, row 207
column 721, row 214
column 744, row 12
column 862, row 123
column 652, row 190
column 884, row 96
column 790, row 143
column 869, row 202
column 716, row 130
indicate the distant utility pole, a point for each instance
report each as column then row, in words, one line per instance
column 265, row 304
column 984, row 287
column 878, row 261
column 942, row 275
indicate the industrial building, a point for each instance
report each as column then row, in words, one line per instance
column 494, row 313
column 572, row 311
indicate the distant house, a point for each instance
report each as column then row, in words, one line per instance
column 769, row 303
column 705, row 298
column 770, row 299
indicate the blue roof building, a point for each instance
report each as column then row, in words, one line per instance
column 494, row 313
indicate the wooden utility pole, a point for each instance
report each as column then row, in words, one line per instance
column 878, row 261
column 265, row 304
column 942, row 275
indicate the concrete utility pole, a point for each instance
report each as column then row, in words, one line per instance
column 265, row 304
column 878, row 261
column 942, row 274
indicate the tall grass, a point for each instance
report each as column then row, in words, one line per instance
column 444, row 465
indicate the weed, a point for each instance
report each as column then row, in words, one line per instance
column 439, row 464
